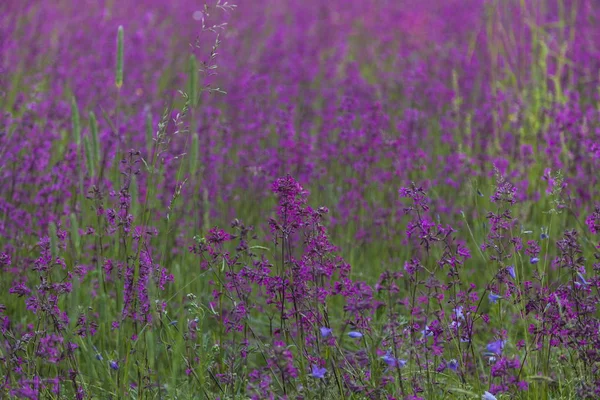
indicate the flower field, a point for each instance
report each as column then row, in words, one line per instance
column 286, row 199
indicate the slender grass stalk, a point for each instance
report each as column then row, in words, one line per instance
column 89, row 156
column 52, row 233
column 95, row 145
column 75, row 121
column 149, row 137
column 119, row 69
column 193, row 81
column 76, row 128
column 75, row 239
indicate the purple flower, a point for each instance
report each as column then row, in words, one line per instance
column 534, row 260
column 100, row 358
column 318, row 372
column 325, row 332
column 511, row 272
column 114, row 365
column 355, row 335
column 494, row 298
column 488, row 396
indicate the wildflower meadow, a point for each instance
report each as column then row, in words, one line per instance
column 280, row 199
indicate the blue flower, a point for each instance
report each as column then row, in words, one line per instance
column 325, row 332
column 534, row 260
column 318, row 372
column 426, row 332
column 99, row 357
column 511, row 272
column 390, row 360
column 458, row 311
column 582, row 280
column 494, row 298
column 488, row 396
column 114, row 365
column 355, row 335
column 453, row 364
column 496, row 347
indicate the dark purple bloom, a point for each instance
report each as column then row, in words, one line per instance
column 355, row 335
column 114, row 365
column 534, row 260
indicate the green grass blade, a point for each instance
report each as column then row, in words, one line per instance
column 119, row 71
column 193, row 81
column 95, row 142
column 75, row 121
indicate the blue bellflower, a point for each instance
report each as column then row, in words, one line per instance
column 318, row 372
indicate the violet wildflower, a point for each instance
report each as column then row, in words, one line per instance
column 318, row 372
column 534, row 260
column 114, row 365
column 355, row 335
column 325, row 332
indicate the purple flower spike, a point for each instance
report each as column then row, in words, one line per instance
column 355, row 335
column 318, row 372
column 534, row 260
column 325, row 332
column 114, row 365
